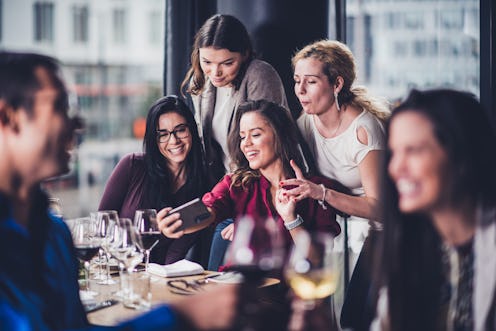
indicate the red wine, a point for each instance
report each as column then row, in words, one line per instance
column 86, row 252
column 149, row 238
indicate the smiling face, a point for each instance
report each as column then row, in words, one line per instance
column 175, row 150
column 418, row 164
column 312, row 87
column 257, row 141
column 220, row 65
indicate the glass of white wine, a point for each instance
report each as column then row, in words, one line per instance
column 312, row 271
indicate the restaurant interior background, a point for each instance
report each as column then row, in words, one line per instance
column 120, row 55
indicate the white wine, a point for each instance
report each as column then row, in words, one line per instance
column 313, row 285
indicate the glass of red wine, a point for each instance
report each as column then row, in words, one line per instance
column 87, row 245
column 145, row 220
column 257, row 249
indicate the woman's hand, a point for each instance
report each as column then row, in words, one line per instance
column 300, row 188
column 168, row 224
column 285, row 205
column 228, row 232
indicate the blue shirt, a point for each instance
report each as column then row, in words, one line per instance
column 38, row 277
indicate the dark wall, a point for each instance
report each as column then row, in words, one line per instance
column 277, row 27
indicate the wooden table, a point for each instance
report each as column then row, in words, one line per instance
column 161, row 293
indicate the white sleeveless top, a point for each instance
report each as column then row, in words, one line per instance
column 338, row 157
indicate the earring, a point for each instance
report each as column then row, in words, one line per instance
column 336, row 100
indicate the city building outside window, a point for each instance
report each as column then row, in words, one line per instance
column 43, row 21
column 80, row 23
column 407, row 44
column 119, row 25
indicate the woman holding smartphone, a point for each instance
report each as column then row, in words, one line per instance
column 264, row 148
column 168, row 173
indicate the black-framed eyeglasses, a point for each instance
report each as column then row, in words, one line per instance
column 181, row 131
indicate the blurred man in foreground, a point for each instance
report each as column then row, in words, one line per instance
column 38, row 266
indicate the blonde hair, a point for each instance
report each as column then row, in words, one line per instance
column 338, row 60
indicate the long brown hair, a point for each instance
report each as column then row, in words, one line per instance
column 219, row 32
column 285, row 140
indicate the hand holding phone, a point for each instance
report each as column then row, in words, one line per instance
column 192, row 213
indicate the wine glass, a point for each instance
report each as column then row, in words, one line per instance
column 87, row 246
column 312, row 271
column 107, row 222
column 145, row 220
column 257, row 249
column 126, row 248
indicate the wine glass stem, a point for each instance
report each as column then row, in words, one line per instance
column 129, row 291
column 108, row 265
column 147, row 259
column 86, row 275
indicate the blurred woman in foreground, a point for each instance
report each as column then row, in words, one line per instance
column 438, row 267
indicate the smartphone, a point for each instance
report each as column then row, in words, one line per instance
column 192, row 213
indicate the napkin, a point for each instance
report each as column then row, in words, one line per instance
column 179, row 268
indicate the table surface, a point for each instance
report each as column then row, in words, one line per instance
column 161, row 293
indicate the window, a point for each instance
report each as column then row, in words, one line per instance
column 80, row 24
column 119, row 26
column 43, row 21
column 428, row 44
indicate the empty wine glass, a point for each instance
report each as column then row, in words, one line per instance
column 257, row 249
column 87, row 246
column 107, row 221
column 126, row 248
column 145, row 220
column 312, row 271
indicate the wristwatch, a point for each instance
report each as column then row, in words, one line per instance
column 294, row 224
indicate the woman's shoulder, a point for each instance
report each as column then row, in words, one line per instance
column 304, row 121
column 369, row 119
column 259, row 67
column 132, row 161
column 133, row 158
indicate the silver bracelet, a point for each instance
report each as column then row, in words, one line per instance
column 294, row 224
column 322, row 201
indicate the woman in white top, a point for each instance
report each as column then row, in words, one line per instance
column 343, row 127
column 224, row 73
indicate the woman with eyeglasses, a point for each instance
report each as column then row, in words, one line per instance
column 168, row 173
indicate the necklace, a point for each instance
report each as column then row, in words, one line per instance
column 337, row 128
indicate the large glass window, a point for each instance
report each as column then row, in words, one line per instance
column 113, row 87
column 404, row 44
column 43, row 21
